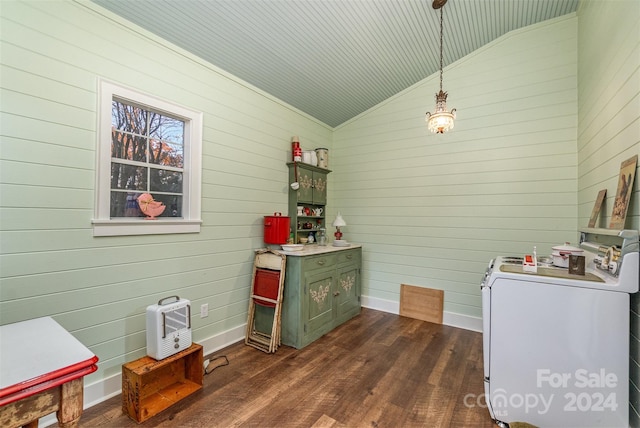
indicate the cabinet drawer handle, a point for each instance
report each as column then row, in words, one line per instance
column 337, row 293
column 349, row 256
column 321, row 262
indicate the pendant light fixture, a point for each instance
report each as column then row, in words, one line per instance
column 441, row 120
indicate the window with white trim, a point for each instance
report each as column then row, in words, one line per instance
column 146, row 146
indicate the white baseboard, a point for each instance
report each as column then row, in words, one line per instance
column 107, row 388
column 380, row 304
column 462, row 321
column 448, row 318
column 222, row 340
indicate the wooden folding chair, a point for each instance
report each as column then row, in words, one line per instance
column 265, row 302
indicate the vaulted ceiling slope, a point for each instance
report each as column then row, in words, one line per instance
column 332, row 59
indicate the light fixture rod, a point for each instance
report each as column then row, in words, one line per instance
column 441, row 43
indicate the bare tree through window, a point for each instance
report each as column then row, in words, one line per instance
column 147, row 156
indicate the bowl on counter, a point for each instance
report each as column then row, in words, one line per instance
column 303, row 240
column 292, row 247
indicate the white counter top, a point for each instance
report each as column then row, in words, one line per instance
column 313, row 249
column 38, row 350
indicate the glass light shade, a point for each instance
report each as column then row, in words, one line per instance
column 441, row 121
column 339, row 221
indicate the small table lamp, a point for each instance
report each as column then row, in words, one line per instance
column 338, row 222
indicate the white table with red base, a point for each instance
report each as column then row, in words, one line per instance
column 42, row 367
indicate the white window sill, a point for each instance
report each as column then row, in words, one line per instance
column 140, row 226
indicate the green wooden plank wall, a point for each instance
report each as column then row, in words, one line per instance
column 432, row 210
column 609, row 127
column 98, row 288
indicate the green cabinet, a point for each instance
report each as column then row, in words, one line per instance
column 321, row 291
column 348, row 285
column 313, row 183
column 311, row 195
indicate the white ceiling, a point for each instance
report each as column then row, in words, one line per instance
column 332, row 59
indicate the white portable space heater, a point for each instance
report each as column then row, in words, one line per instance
column 168, row 327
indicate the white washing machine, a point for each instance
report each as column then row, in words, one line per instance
column 556, row 345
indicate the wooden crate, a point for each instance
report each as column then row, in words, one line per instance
column 150, row 386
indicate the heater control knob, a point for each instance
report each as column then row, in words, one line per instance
column 177, row 345
column 176, row 339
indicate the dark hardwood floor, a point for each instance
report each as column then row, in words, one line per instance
column 377, row 370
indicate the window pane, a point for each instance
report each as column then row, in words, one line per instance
column 128, row 177
column 163, row 153
column 168, row 129
column 165, row 181
column 125, row 204
column 177, row 154
column 167, row 141
column 129, row 118
column 128, row 146
column 173, row 203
